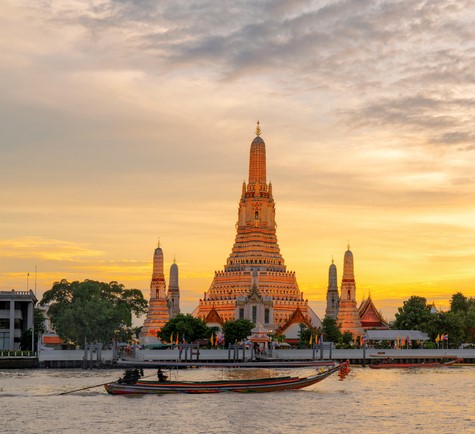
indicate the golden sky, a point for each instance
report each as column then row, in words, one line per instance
column 125, row 121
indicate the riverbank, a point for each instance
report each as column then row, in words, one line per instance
column 151, row 358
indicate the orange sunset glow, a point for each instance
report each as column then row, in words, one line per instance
column 125, row 122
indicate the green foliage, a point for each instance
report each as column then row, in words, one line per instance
column 459, row 303
column 413, row 315
column 345, row 341
column 458, row 322
column 330, row 330
column 237, row 330
column 92, row 311
column 304, row 334
column 39, row 327
column 448, row 322
column 187, row 326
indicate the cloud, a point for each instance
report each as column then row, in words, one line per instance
column 46, row 249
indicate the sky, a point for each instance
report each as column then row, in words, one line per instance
column 122, row 122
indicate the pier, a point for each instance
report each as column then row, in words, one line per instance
column 221, row 357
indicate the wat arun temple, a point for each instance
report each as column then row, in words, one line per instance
column 255, row 283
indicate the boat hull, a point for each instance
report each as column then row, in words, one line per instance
column 261, row 385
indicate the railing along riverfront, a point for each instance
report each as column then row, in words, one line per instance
column 10, row 354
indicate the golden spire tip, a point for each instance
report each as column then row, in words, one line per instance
column 258, row 129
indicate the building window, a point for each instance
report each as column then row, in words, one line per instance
column 254, row 314
column 266, row 316
column 241, row 313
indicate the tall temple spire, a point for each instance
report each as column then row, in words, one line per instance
column 157, row 314
column 332, row 293
column 173, row 295
column 257, row 159
column 348, row 316
column 255, row 260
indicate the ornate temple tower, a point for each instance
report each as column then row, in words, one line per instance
column 173, row 295
column 255, row 270
column 348, row 317
column 332, row 293
column 157, row 314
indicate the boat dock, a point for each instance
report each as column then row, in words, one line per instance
column 225, row 358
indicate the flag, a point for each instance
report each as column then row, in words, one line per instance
column 408, row 340
column 403, row 342
column 183, row 339
column 320, row 339
column 211, row 339
column 176, row 340
column 437, row 339
column 216, row 342
column 311, row 339
column 446, row 337
column 171, row 338
column 363, row 339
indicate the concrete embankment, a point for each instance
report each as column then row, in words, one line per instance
column 291, row 357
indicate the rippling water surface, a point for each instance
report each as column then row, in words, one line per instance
column 367, row 401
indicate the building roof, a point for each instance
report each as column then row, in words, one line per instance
column 392, row 335
column 370, row 316
column 297, row 317
column 53, row 339
column 213, row 317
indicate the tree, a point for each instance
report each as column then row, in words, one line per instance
column 413, row 315
column 459, row 303
column 39, row 327
column 451, row 323
column 237, row 330
column 464, row 309
column 330, row 329
column 185, row 326
column 92, row 311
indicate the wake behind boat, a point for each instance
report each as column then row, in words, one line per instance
column 132, row 384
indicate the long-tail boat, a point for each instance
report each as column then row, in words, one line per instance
column 390, row 364
column 131, row 383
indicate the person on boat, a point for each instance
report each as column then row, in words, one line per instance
column 161, row 376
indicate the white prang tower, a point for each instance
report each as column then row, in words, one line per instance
column 173, row 295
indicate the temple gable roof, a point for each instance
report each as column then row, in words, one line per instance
column 213, row 317
column 297, row 317
column 370, row 316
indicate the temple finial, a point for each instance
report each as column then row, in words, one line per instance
column 258, row 129
column 348, row 244
column 158, row 242
column 174, row 258
column 333, row 260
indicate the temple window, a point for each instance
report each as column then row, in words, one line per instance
column 266, row 316
column 241, row 313
column 254, row 314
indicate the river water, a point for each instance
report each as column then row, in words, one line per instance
column 367, row 401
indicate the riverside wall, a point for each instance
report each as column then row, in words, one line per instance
column 106, row 359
